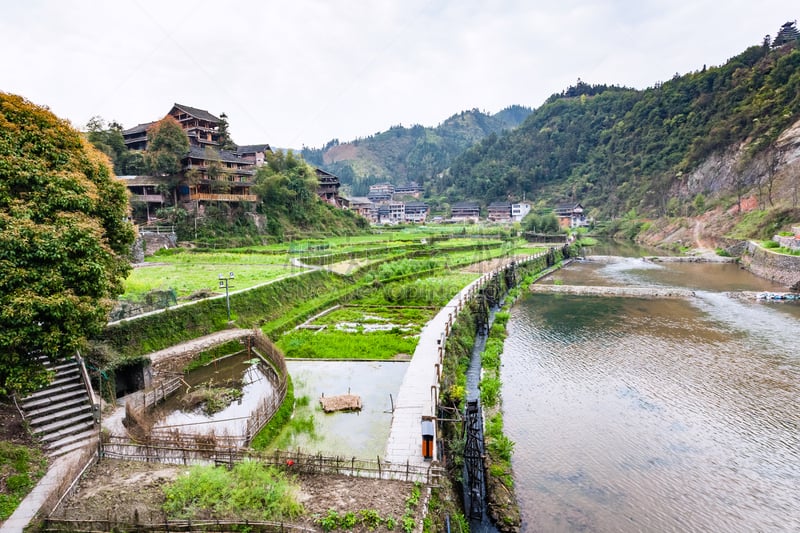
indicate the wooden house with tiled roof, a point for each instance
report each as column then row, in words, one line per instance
column 570, row 215
column 328, row 187
column 216, row 176
column 200, row 126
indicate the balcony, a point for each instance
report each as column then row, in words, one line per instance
column 148, row 198
column 222, row 197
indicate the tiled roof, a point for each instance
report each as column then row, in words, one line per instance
column 141, row 128
column 198, row 152
column 197, row 113
column 252, row 148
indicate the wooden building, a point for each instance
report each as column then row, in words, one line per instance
column 499, row 212
column 570, row 215
column 381, row 192
column 200, row 126
column 328, row 188
column 215, row 176
column 416, row 212
column 465, row 211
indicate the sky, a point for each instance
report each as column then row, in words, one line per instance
column 294, row 73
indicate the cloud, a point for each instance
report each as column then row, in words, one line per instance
column 305, row 71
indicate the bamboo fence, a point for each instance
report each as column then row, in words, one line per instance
column 167, row 525
column 190, row 453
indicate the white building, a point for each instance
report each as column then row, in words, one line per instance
column 518, row 211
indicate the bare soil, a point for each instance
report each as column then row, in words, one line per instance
column 118, row 490
column 11, row 425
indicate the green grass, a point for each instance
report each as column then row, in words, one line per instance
column 377, row 315
column 328, row 344
column 188, row 278
column 20, row 468
column 249, row 491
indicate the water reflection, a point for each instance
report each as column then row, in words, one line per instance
column 349, row 434
column 238, row 371
column 655, row 415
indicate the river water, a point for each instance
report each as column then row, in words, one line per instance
column 655, row 415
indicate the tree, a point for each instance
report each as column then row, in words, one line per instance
column 64, row 242
column 225, row 141
column 109, row 140
column 167, row 145
column 286, row 185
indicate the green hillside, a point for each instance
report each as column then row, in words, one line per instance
column 403, row 154
column 617, row 149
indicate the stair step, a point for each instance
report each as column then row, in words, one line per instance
column 60, row 424
column 64, row 379
column 49, row 408
column 39, row 423
column 56, row 398
column 57, row 389
column 67, row 431
column 72, row 442
column 50, row 365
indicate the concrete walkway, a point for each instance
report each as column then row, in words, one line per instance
column 64, row 467
column 420, row 388
column 419, row 392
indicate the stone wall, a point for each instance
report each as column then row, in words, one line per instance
column 793, row 242
column 780, row 268
column 156, row 241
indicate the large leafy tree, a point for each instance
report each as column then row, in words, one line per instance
column 167, row 144
column 109, row 140
column 64, row 241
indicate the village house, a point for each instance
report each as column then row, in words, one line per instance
column 416, row 212
column 328, row 188
column 361, row 205
column 499, row 212
column 380, row 192
column 570, row 215
column 209, row 174
column 465, row 211
column 411, row 188
column 519, row 211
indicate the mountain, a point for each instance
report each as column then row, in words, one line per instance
column 713, row 133
column 418, row 153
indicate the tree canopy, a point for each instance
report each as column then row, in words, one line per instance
column 64, row 241
column 620, row 149
column 167, row 145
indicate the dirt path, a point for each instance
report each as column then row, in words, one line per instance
column 197, row 345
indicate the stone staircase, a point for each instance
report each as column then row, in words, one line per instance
column 62, row 415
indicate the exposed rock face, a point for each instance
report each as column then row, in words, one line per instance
column 721, row 172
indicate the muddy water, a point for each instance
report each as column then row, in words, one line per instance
column 360, row 434
column 655, row 415
column 238, row 370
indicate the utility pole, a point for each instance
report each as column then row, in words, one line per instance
column 223, row 282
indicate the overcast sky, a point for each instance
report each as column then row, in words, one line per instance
column 301, row 72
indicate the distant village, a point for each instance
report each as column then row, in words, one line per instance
column 385, row 204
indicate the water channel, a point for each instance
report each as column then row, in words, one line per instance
column 655, row 415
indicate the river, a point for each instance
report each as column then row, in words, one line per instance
column 655, row 415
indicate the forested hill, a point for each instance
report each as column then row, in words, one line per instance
column 616, row 149
column 402, row 154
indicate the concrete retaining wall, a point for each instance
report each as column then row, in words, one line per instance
column 780, row 268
